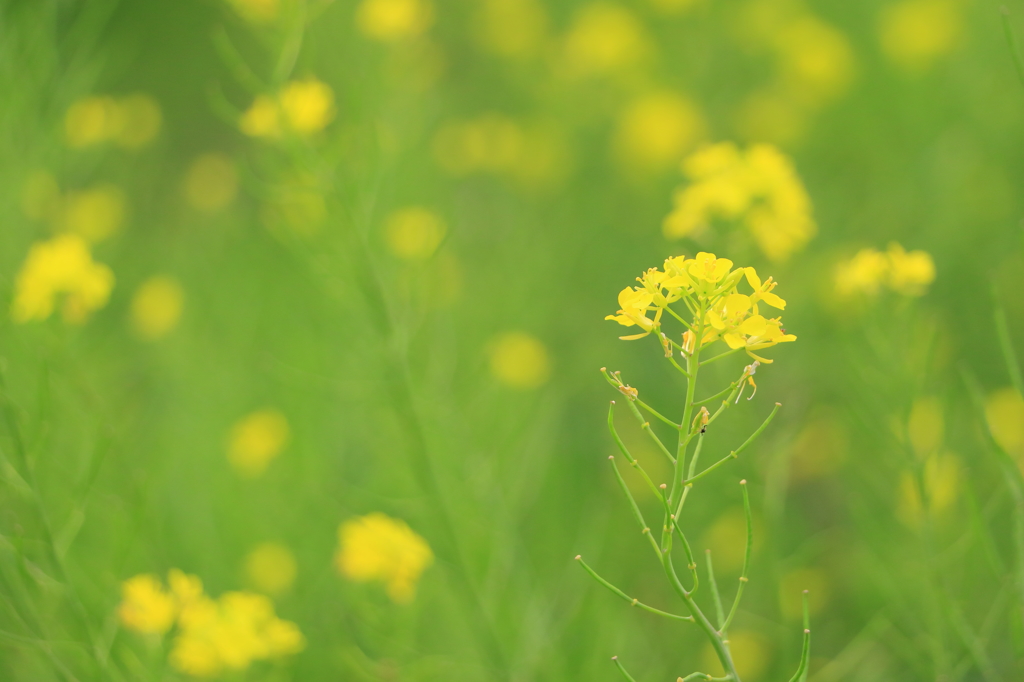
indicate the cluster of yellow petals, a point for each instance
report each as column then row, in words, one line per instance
column 706, row 283
column 213, row 636
column 379, row 548
column 758, row 187
column 304, row 107
column 908, row 273
column 62, row 266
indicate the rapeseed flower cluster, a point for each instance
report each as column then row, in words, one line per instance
column 61, row 268
column 303, row 107
column 378, row 548
column 656, row 130
column 869, row 270
column 213, row 636
column 758, row 187
column 717, row 310
column 129, row 122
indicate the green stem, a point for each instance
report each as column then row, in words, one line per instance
column 744, row 575
column 622, row 670
column 716, row 596
column 631, row 600
column 736, row 453
column 637, row 514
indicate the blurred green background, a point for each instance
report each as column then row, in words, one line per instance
column 404, row 270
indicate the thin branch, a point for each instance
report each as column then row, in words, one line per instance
column 713, row 585
column 622, row 670
column 744, row 575
column 644, row 528
column 736, row 453
column 631, row 600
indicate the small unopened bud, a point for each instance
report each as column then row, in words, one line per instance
column 578, row 557
column 663, row 486
column 689, row 340
column 666, row 345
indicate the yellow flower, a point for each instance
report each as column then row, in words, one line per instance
column 915, row 33
column 146, row 606
column 656, row 130
column 910, row 273
column 815, row 60
column 131, row 122
column 139, row 121
column 211, row 182
column 925, row 426
column 942, row 476
column 906, row 273
column 865, row 273
column 758, row 187
column 378, row 548
column 60, row 266
column 414, row 233
column 95, row 213
column 304, row 107
column 156, row 307
column 1004, row 412
column 604, row 38
column 519, row 360
column 271, row 568
column 394, row 20
column 257, row 439
column 511, row 28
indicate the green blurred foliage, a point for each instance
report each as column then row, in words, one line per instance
column 114, row 445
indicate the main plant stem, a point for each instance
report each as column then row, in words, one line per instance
column 685, row 436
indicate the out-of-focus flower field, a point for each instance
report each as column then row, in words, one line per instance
column 303, row 305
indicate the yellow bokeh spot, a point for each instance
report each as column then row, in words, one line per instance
column 604, row 38
column 770, row 116
column 673, row 6
column 303, row 106
column 1004, row 412
column 751, row 652
column 815, row 60
column 519, row 360
column 140, row 121
column 656, row 130
column 156, row 307
column 62, row 266
column 257, row 11
column 491, row 142
column 414, row 233
column 909, row 273
column 131, row 122
column 727, row 540
column 379, row 548
column 821, row 447
column 915, row 33
column 271, row 568
column 926, row 426
column 394, row 20
column 257, row 439
column 211, row 182
column 941, row 480
column 511, row 28
column 791, row 592
column 146, row 606
column 95, row 213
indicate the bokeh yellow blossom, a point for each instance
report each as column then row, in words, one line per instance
column 270, row 567
column 656, row 130
column 906, row 273
column 95, row 213
column 393, row 20
column 941, row 479
column 751, row 652
column 511, row 28
column 414, row 233
column 519, row 360
column 211, row 182
column 131, row 122
column 758, row 187
column 62, row 266
column 303, row 106
column 146, row 606
column 257, row 11
column 816, row 62
column 156, row 307
column 604, row 38
column 256, row 439
column 379, row 548
column 915, row 33
column 1004, row 412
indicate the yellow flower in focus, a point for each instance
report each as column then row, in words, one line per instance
column 271, row 568
column 492, row 143
column 392, row 20
column 915, row 33
column 511, row 28
column 604, row 38
column 257, row 11
column 139, row 121
column 156, row 307
column 211, row 182
column 519, row 360
column 302, row 106
column 95, row 213
column 64, row 267
column 378, row 548
column 146, row 606
column 656, row 130
column 131, row 122
column 414, row 233
column 90, row 121
column 257, row 439
column 750, row 650
column 1004, row 412
column 942, row 475
column 910, row 273
column 759, row 187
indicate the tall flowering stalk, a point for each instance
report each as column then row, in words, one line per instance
column 703, row 295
